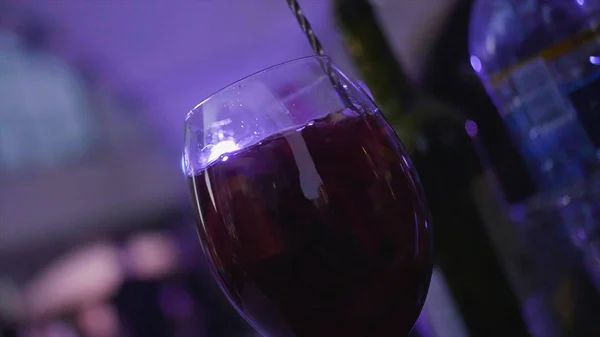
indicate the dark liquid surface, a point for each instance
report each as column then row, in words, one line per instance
column 319, row 232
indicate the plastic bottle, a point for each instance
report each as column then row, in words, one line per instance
column 539, row 61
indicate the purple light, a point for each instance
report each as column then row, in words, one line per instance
column 176, row 302
column 518, row 213
column 476, row 63
column 595, row 60
column 471, row 128
column 581, row 2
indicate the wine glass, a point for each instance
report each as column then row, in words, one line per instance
column 309, row 210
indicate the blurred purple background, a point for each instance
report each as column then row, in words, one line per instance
column 164, row 57
column 92, row 100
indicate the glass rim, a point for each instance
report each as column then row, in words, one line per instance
column 192, row 112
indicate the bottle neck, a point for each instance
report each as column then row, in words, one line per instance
column 373, row 56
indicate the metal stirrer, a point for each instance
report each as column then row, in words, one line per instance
column 316, row 46
column 306, row 28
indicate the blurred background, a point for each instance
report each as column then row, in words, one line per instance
column 97, row 236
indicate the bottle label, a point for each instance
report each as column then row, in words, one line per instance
column 551, row 104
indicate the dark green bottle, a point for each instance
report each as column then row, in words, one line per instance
column 448, row 164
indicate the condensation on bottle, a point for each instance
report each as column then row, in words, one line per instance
column 540, row 62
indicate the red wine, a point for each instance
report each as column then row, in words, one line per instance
column 319, row 231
